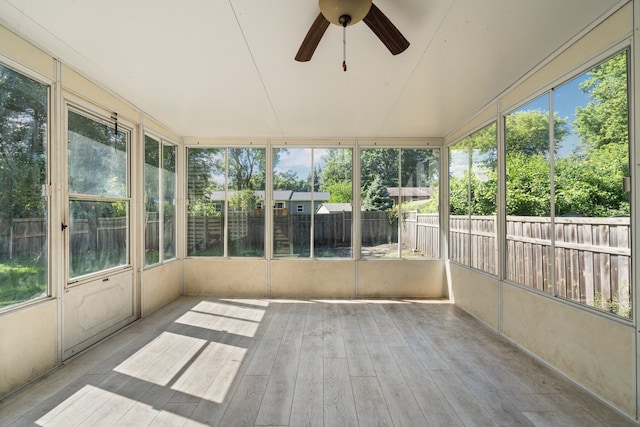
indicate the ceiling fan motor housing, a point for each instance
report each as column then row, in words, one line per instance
column 334, row 9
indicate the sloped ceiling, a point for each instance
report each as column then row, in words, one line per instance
column 225, row 68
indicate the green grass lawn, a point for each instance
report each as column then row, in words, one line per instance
column 21, row 280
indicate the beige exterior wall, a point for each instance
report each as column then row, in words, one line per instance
column 214, row 277
column 402, row 278
column 315, row 278
column 594, row 351
column 160, row 285
column 27, row 344
column 25, row 54
column 476, row 293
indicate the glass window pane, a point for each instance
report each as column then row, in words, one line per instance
column 98, row 236
column 379, row 191
column 97, row 158
column 332, row 220
column 247, row 175
column 169, row 201
column 23, row 176
column 152, row 200
column 292, row 186
column 417, row 206
column 459, row 202
column 592, row 224
column 529, row 195
column 484, row 189
column 205, row 210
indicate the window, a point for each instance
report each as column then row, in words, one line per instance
column 159, row 197
column 399, row 196
column 98, row 191
column 592, row 209
column 320, row 178
column 528, row 191
column 472, row 200
column 568, row 212
column 246, row 178
column 23, row 177
column 459, row 194
column 225, row 186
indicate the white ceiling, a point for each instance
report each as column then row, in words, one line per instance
column 225, row 68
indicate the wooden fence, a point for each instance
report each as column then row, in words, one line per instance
column 592, row 257
column 23, row 238
column 421, row 234
column 472, row 241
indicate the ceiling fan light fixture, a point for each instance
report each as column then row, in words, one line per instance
column 334, row 9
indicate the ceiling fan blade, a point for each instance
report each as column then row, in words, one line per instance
column 311, row 40
column 388, row 34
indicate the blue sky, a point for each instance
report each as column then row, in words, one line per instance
column 299, row 160
column 566, row 98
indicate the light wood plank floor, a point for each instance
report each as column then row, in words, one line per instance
column 255, row 362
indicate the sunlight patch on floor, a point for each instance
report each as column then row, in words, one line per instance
column 215, row 367
column 85, row 405
column 162, row 359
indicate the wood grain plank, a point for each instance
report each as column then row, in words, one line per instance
column 339, row 405
column 308, row 399
column 245, row 403
column 433, row 404
column 370, row 403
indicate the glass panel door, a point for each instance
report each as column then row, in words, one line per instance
column 99, row 297
column 98, row 196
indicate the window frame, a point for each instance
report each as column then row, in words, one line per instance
column 434, row 144
column 86, row 110
column 52, row 260
column 162, row 143
column 549, row 89
column 467, row 139
column 223, row 205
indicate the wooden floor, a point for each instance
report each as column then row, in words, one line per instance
column 246, row 362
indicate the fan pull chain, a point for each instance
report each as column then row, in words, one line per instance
column 344, row 48
column 344, row 21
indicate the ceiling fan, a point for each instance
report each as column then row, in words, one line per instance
column 346, row 13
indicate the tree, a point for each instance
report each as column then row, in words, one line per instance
column 245, row 200
column 527, row 161
column 23, row 127
column 377, row 198
column 588, row 181
column 528, row 185
column 204, row 165
column 527, row 132
column 290, row 180
column 605, row 120
column 247, row 168
column 590, row 184
column 379, row 163
column 337, row 174
column 459, row 195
